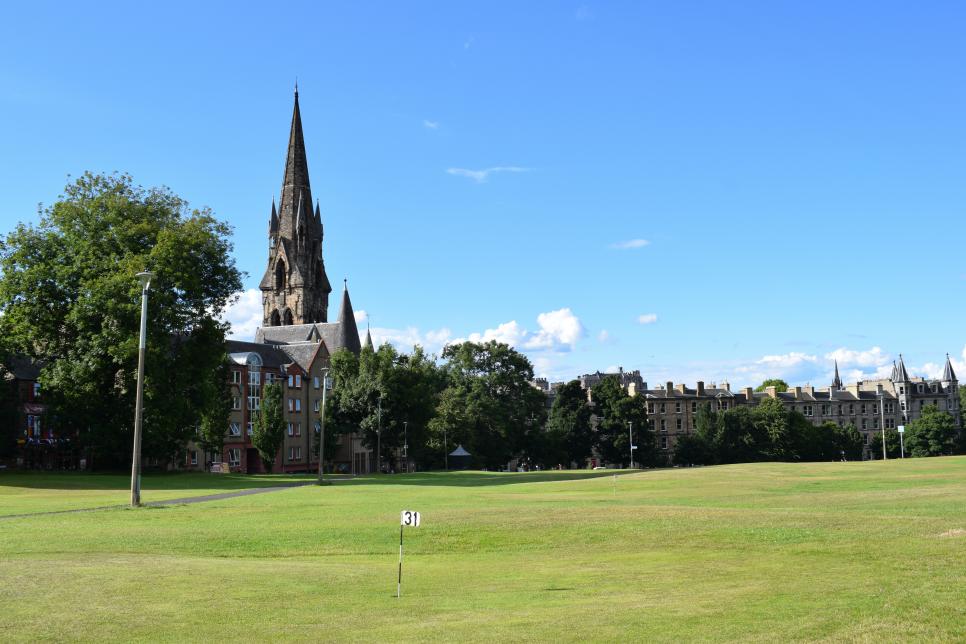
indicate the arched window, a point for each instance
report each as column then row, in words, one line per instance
column 288, row 317
column 280, row 275
column 276, row 319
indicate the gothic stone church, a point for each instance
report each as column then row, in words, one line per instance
column 296, row 339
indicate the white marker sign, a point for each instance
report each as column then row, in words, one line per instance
column 902, row 429
column 409, row 518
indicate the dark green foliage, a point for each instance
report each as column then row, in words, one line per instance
column 489, row 405
column 71, row 300
column 269, row 427
column 892, row 444
column 934, row 433
column 779, row 385
column 570, row 437
column 216, row 414
column 614, row 409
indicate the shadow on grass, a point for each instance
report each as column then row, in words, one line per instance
column 149, row 482
column 480, row 479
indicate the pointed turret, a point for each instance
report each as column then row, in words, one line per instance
column 948, row 374
column 348, row 331
column 368, row 343
column 901, row 374
column 895, row 372
column 837, row 382
column 318, row 219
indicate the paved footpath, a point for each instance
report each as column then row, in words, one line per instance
column 185, row 500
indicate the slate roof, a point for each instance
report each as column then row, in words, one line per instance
column 271, row 356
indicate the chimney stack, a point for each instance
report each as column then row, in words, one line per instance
column 700, row 388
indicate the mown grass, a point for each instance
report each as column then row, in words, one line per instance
column 853, row 551
column 30, row 492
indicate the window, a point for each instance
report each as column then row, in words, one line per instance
column 291, row 429
column 36, row 390
column 291, row 381
column 902, row 405
column 193, row 457
column 862, row 408
column 650, row 408
column 234, row 429
column 902, row 390
column 890, row 423
column 295, row 453
column 807, row 410
column 663, row 442
column 663, row 408
column 875, row 423
column 235, row 402
column 315, row 382
column 650, row 423
column 919, row 388
column 234, row 456
column 851, row 409
column 298, row 429
column 694, row 407
column 663, row 425
column 318, row 404
column 235, row 377
column 677, row 408
column 865, row 424
column 291, row 404
column 254, row 404
column 250, row 428
column 826, row 410
column 298, row 404
column 254, row 378
column 722, row 405
column 679, row 424
column 318, row 427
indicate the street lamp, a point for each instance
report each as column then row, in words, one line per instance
column 882, row 417
column 325, row 386
column 630, row 437
column 145, row 278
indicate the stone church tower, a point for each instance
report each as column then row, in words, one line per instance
column 295, row 288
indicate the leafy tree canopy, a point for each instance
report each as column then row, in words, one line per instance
column 779, row 385
column 70, row 300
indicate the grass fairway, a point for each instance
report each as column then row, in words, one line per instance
column 856, row 551
column 32, row 492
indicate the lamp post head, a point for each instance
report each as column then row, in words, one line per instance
column 145, row 278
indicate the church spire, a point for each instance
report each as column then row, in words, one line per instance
column 273, row 222
column 837, row 383
column 295, row 182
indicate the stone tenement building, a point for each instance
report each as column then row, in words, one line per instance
column 296, row 340
column 869, row 404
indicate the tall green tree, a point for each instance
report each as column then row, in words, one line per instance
column 570, row 437
column 617, row 412
column 934, row 433
column 216, row 411
column 489, row 405
column 779, row 385
column 70, row 300
column 268, row 432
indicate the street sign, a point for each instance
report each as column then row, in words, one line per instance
column 902, row 429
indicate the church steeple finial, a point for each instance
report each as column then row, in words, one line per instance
column 948, row 374
column 837, row 382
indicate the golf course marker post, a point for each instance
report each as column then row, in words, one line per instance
column 407, row 519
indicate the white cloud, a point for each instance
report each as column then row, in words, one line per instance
column 631, row 244
column 361, row 316
column 480, row 176
column 405, row 339
column 603, row 336
column 244, row 314
column 509, row 333
column 430, row 125
column 873, row 357
column 558, row 329
column 647, row 318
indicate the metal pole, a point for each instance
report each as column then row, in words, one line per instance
column 630, row 436
column 325, row 378
column 145, row 278
column 882, row 417
column 379, row 440
column 399, row 578
column 406, row 443
column 445, row 449
column 902, row 446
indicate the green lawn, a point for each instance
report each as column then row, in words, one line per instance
column 27, row 492
column 843, row 551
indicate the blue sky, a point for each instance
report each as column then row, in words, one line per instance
column 708, row 190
